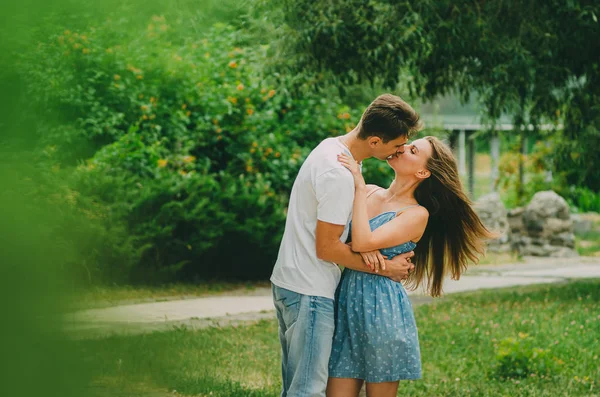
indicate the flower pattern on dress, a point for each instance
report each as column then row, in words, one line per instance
column 376, row 336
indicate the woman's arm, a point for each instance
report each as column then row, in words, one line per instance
column 407, row 226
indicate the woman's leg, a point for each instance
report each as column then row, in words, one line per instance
column 343, row 387
column 385, row 389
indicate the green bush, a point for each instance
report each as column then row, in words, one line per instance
column 536, row 165
column 184, row 153
column 583, row 199
column 517, row 358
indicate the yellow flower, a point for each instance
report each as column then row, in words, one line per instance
column 145, row 117
column 219, row 138
column 67, row 32
column 207, row 55
column 250, row 111
column 264, row 90
column 188, row 113
column 233, row 64
column 182, row 172
column 162, row 163
column 188, row 159
column 152, row 116
column 184, row 106
column 139, row 77
column 109, row 50
column 219, row 130
column 277, row 154
column 144, row 108
column 254, row 144
column 117, row 77
column 83, row 37
column 240, row 87
column 232, row 100
column 252, row 150
column 85, row 50
column 76, row 46
column 249, row 168
column 271, row 93
column 153, row 100
column 141, row 96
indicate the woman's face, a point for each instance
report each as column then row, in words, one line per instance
column 413, row 159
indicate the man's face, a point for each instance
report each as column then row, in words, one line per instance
column 383, row 151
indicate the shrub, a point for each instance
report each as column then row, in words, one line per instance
column 518, row 358
column 182, row 146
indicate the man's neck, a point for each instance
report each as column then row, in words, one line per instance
column 356, row 145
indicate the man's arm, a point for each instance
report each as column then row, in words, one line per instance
column 331, row 249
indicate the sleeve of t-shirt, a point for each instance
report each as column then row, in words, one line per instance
column 335, row 196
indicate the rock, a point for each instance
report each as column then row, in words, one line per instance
column 493, row 215
column 565, row 239
column 544, row 227
column 582, row 224
column 515, row 220
column 554, row 226
column 547, row 204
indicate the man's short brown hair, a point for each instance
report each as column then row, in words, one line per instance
column 389, row 117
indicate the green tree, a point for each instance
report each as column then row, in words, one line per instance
column 537, row 60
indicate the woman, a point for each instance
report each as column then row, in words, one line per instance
column 426, row 210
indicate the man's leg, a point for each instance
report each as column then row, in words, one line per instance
column 310, row 347
column 286, row 307
column 306, row 332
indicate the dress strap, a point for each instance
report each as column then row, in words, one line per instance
column 374, row 190
column 407, row 207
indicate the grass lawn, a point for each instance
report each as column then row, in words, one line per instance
column 105, row 296
column 555, row 327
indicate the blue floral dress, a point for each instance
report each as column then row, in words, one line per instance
column 375, row 335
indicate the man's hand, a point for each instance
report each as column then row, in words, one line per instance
column 398, row 268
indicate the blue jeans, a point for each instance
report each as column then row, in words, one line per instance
column 306, row 326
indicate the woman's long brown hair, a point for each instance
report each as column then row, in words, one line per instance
column 454, row 234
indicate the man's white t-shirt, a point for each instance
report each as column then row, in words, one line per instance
column 323, row 190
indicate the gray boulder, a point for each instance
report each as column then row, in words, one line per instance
column 493, row 215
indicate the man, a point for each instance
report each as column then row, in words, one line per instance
column 306, row 273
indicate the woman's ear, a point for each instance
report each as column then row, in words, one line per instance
column 423, row 174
